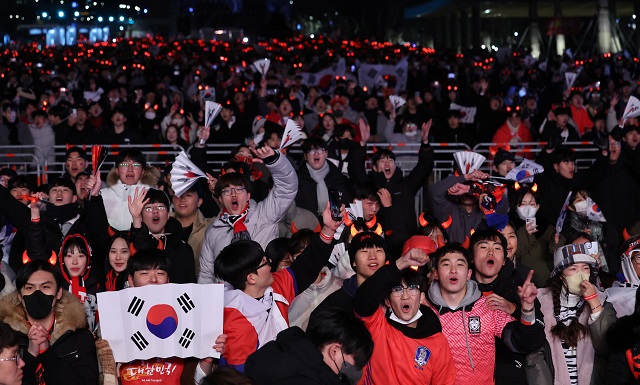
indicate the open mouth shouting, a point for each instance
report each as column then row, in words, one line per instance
column 235, row 206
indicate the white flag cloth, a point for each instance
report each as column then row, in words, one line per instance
column 396, row 101
column 291, row 134
column 570, row 78
column 262, row 66
column 632, row 109
column 184, row 174
column 170, row 320
column 563, row 214
column 525, row 171
column 355, row 210
column 212, row 109
column 468, row 113
column 372, row 75
column 468, row 161
column 325, row 77
column 593, row 211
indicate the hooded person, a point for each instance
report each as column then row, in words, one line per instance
column 622, row 294
column 576, row 318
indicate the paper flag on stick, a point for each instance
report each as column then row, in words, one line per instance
column 593, row 211
column 262, row 66
column 336, row 253
column 291, row 134
column 258, row 138
column 563, row 214
column 396, row 101
column 468, row 161
column 355, row 210
column 569, row 78
column 525, row 171
column 98, row 155
column 184, row 174
column 212, row 109
column 632, row 109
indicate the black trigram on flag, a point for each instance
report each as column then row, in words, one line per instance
column 400, row 71
column 312, row 79
column 372, row 73
column 186, row 303
column 186, row 338
column 135, row 306
column 139, row 340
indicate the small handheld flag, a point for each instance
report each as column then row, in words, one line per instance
column 98, row 155
column 563, row 214
column 184, row 174
column 632, row 109
column 524, row 172
column 212, row 109
column 468, row 161
column 396, row 101
column 291, row 134
column 570, row 78
column 262, row 66
column 593, row 211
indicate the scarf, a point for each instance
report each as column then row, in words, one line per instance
column 110, row 283
column 569, row 306
column 77, row 288
column 236, row 222
column 64, row 213
column 321, row 187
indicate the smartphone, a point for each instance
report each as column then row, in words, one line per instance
column 591, row 248
column 335, row 201
column 532, row 221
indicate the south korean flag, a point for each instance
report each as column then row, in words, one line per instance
column 171, row 320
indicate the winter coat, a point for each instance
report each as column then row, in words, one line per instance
column 623, row 345
column 420, row 355
column 471, row 330
column 352, row 165
column 307, row 195
column 291, row 359
column 403, row 189
column 533, row 251
column 444, row 207
column 196, row 237
column 182, row 268
column 340, row 299
column 115, row 198
column 261, row 221
column 71, row 357
column 591, row 351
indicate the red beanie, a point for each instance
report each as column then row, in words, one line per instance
column 421, row 242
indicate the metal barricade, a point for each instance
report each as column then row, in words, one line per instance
column 158, row 155
column 23, row 159
column 586, row 151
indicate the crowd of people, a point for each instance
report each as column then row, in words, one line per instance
column 331, row 275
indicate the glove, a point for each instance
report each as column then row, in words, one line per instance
column 555, row 140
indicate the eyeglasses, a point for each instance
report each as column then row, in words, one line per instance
column 160, row 208
column 634, row 255
column 232, row 190
column 267, row 261
column 316, row 151
column 14, row 358
column 126, row 165
column 412, row 290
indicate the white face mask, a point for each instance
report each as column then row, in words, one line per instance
column 526, row 212
column 574, row 281
column 178, row 122
column 150, row 114
column 394, row 317
column 581, row 207
column 411, row 134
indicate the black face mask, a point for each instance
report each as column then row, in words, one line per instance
column 338, row 113
column 38, row 304
column 344, row 143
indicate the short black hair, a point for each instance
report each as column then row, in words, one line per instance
column 336, row 325
column 411, row 277
column 450, row 248
column 29, row 268
column 8, row 337
column 488, row 235
column 238, row 260
column 382, row 153
column 149, row 259
column 340, row 129
column 8, row 172
column 133, row 154
column 63, row 182
column 157, row 196
column 20, row 181
column 366, row 190
column 59, row 111
column 81, row 153
column 563, row 154
column 226, row 375
column 232, row 178
column 311, row 143
column 299, row 241
column 276, row 251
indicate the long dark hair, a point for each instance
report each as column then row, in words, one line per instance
column 575, row 331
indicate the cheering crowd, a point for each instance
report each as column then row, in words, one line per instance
column 507, row 276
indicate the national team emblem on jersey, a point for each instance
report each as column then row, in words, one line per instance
column 474, row 325
column 422, row 356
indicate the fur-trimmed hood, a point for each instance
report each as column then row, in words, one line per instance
column 151, row 177
column 69, row 314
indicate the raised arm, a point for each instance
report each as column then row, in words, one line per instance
column 285, row 186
